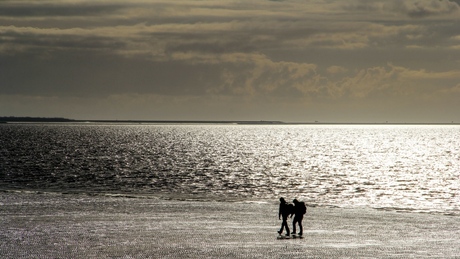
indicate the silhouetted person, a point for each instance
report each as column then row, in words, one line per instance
column 284, row 211
column 299, row 210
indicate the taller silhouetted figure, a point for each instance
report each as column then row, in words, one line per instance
column 299, row 210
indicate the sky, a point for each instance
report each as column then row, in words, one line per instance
column 291, row 60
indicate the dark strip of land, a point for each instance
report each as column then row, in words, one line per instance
column 13, row 119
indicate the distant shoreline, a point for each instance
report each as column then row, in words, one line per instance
column 12, row 119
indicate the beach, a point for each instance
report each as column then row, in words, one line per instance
column 47, row 225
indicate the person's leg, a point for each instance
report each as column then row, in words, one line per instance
column 300, row 225
column 283, row 225
column 293, row 224
column 281, row 229
column 286, row 226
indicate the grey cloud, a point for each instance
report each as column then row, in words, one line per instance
column 211, row 47
column 86, row 73
column 15, row 9
column 245, row 34
column 362, row 6
column 410, row 8
column 47, row 42
column 421, row 9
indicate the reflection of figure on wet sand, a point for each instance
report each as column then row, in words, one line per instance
column 299, row 210
column 284, row 211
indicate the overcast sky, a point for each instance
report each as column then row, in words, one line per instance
column 292, row 60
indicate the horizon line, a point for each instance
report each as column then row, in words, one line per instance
column 19, row 119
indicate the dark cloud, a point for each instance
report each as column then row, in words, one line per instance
column 216, row 46
column 46, row 42
column 15, row 9
column 421, row 9
column 96, row 74
column 411, row 8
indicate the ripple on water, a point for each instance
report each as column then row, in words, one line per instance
column 413, row 167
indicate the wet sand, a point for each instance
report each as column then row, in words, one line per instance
column 82, row 226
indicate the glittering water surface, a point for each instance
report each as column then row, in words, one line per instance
column 382, row 166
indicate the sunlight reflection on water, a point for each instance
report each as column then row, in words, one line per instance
column 382, row 166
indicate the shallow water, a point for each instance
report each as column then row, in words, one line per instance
column 401, row 167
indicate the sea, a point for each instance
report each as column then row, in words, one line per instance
column 414, row 168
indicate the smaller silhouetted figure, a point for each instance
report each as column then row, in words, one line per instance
column 284, row 211
column 299, row 210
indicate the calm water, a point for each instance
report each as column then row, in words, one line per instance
column 381, row 166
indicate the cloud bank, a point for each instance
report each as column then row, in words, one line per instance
column 281, row 60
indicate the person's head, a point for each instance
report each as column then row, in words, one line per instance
column 295, row 201
column 282, row 200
